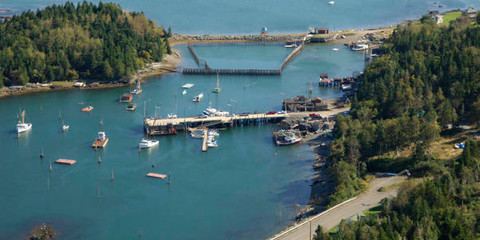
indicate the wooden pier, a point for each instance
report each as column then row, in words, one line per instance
column 164, row 126
column 194, row 54
column 205, row 140
column 209, row 71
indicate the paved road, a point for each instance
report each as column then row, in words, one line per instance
column 333, row 217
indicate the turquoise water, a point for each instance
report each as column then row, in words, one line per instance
column 241, row 190
column 248, row 16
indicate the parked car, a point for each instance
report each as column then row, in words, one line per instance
column 244, row 114
column 271, row 112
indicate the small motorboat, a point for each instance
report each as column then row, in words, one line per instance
column 212, row 144
column 197, row 134
column 22, row 126
column 335, row 49
column 360, row 47
column 290, row 45
column 198, row 97
column 188, row 85
column 172, row 115
column 87, row 109
column 146, row 143
column 217, row 89
column 331, row 3
column 65, row 127
column 138, row 89
column 184, row 91
column 131, row 107
column 213, row 133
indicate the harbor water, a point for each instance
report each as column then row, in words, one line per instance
column 249, row 16
column 247, row 188
column 244, row 189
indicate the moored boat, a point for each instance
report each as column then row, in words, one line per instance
column 65, row 127
column 126, row 98
column 138, row 89
column 188, row 85
column 285, row 137
column 290, row 45
column 146, row 143
column 217, row 89
column 198, row 97
column 22, row 126
column 131, row 107
column 359, row 47
column 101, row 140
column 87, row 109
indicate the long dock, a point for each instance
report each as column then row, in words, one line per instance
column 205, row 140
column 205, row 71
column 168, row 126
column 194, row 54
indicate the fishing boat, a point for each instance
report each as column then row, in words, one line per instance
column 146, row 143
column 100, row 141
column 22, row 126
column 87, row 109
column 172, row 115
column 359, row 47
column 285, row 137
column 212, row 144
column 198, row 97
column 126, row 98
column 217, row 89
column 138, row 89
column 290, row 45
column 131, row 107
column 188, row 85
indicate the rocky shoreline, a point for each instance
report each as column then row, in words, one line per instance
column 168, row 65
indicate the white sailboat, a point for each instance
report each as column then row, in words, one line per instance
column 217, row 89
column 22, row 126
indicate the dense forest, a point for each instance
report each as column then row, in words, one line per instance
column 425, row 84
column 445, row 207
column 87, row 41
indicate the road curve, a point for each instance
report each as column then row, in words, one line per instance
column 331, row 218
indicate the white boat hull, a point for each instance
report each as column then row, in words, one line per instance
column 23, row 127
column 148, row 144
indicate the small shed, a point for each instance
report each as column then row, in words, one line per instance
column 264, row 31
column 470, row 12
column 321, row 30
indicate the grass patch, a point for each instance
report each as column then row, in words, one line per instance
column 374, row 210
column 451, row 16
column 333, row 230
column 62, row 83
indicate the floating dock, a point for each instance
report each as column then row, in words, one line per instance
column 100, row 143
column 66, row 161
column 156, row 175
column 166, row 126
column 205, row 140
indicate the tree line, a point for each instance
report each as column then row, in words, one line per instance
column 87, row 41
column 427, row 81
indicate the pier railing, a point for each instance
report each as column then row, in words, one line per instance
column 205, row 71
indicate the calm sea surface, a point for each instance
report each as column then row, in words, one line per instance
column 240, row 190
column 248, row 16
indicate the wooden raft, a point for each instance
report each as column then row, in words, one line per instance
column 156, row 175
column 66, row 161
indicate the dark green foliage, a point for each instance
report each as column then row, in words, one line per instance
column 83, row 41
column 428, row 79
column 447, row 207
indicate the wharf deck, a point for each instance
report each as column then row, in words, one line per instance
column 153, row 122
column 205, row 140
